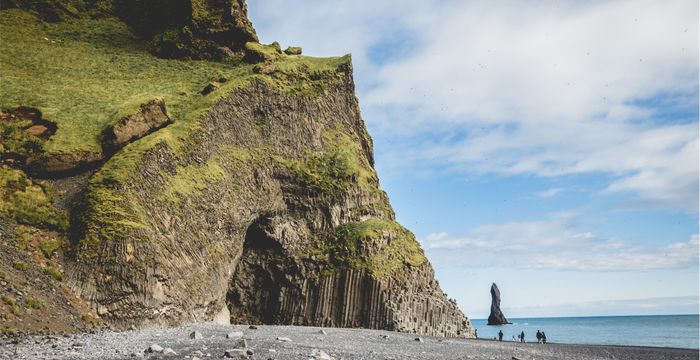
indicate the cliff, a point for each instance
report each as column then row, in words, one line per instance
column 152, row 191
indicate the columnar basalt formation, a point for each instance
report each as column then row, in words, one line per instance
column 258, row 202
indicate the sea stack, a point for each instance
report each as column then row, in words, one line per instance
column 496, row 317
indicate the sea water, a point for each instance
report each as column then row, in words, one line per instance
column 680, row 331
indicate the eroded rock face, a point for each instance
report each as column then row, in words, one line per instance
column 63, row 164
column 248, row 220
column 197, row 29
column 151, row 117
column 496, row 317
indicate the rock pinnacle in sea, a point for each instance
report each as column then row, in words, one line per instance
column 496, row 317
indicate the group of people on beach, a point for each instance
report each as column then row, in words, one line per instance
column 541, row 337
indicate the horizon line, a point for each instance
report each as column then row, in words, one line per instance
column 591, row 316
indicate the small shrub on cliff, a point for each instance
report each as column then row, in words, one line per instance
column 53, row 273
column 33, row 303
column 48, row 247
column 20, row 265
column 12, row 304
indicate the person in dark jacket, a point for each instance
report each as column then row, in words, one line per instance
column 500, row 335
column 522, row 336
column 539, row 336
column 544, row 338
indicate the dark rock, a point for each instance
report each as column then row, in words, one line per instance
column 293, row 50
column 211, row 87
column 150, row 117
column 253, row 327
column 169, row 352
column 236, row 354
column 61, row 164
column 196, row 29
column 496, row 317
column 37, row 130
column 196, row 335
column 155, row 348
column 256, row 52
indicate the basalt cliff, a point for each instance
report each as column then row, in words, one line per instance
column 160, row 166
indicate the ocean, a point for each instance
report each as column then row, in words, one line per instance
column 680, row 331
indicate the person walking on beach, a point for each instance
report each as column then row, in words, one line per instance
column 500, row 335
column 539, row 336
column 476, row 335
column 522, row 336
column 544, row 338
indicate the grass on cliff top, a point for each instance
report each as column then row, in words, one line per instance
column 84, row 74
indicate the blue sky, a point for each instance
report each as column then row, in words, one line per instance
column 550, row 147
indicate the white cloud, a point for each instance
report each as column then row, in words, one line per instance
column 548, row 89
column 549, row 192
column 553, row 244
column 650, row 306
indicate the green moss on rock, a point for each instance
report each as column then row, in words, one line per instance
column 190, row 180
column 377, row 245
column 333, row 170
column 292, row 50
column 256, row 52
column 28, row 201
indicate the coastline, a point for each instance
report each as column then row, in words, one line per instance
column 338, row 343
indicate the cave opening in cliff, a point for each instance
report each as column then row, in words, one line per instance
column 258, row 278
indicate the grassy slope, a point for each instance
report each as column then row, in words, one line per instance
column 85, row 74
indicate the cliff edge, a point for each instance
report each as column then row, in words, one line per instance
column 234, row 183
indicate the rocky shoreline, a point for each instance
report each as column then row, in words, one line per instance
column 209, row 341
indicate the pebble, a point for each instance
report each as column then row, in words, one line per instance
column 169, row 352
column 236, row 354
column 196, row 335
column 253, row 327
column 322, row 332
column 155, row 348
column 284, row 339
column 320, row 355
column 418, row 339
column 240, row 344
column 234, row 335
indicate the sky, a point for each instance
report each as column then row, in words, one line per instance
column 550, row 147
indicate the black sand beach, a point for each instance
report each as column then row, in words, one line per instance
column 310, row 343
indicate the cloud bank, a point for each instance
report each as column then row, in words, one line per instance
column 553, row 245
column 544, row 89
